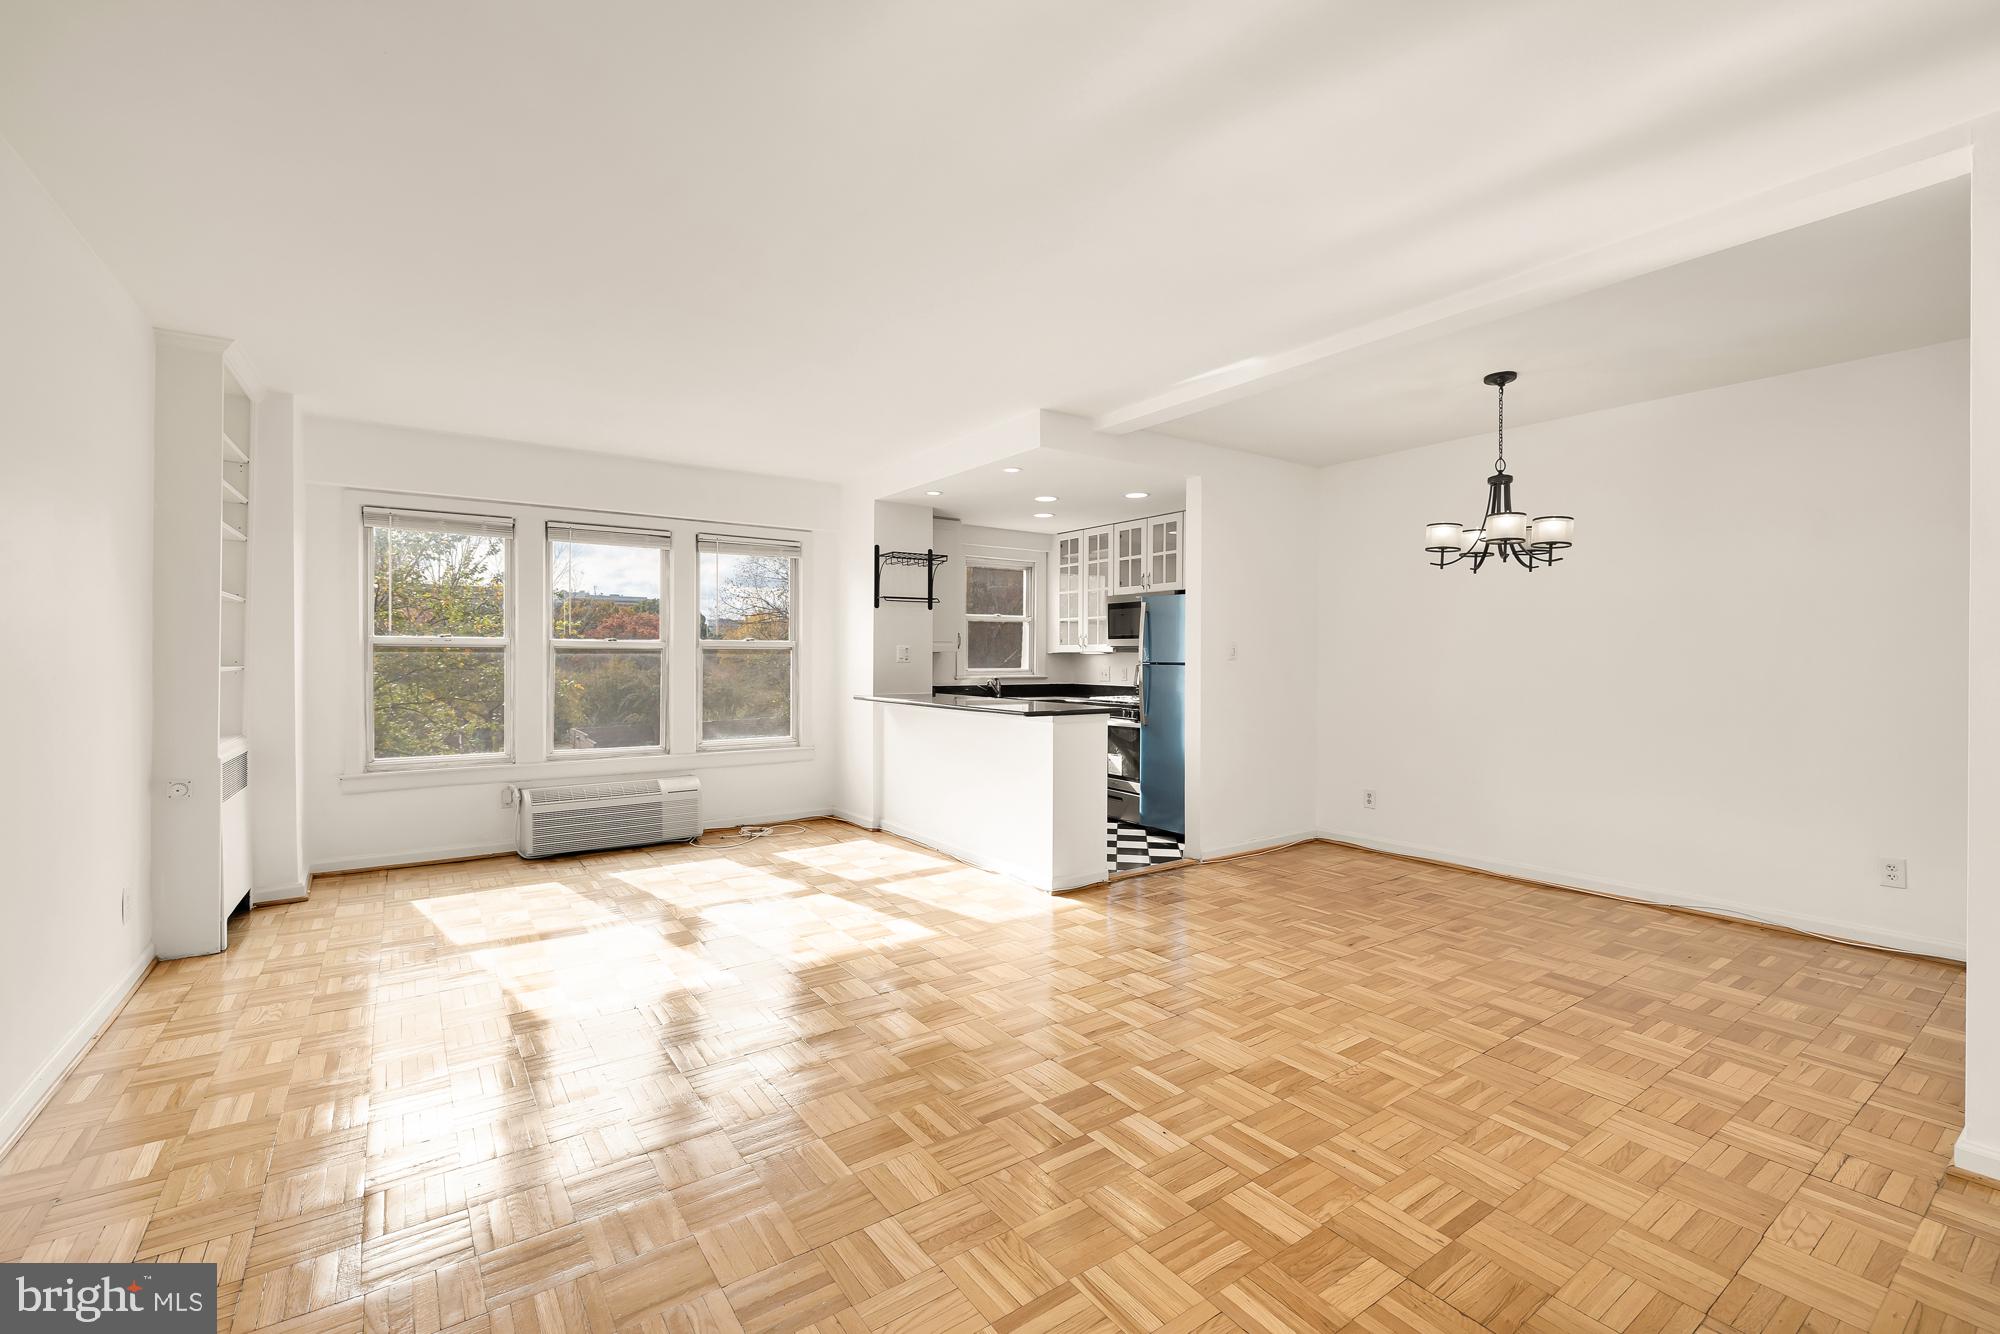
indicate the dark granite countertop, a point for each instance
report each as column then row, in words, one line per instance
column 1006, row 706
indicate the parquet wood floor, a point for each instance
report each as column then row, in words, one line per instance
column 834, row 1082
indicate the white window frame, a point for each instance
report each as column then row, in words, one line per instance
column 1030, row 570
column 703, row 644
column 372, row 518
column 609, row 535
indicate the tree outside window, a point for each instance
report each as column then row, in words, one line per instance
column 999, row 616
column 438, row 647
column 748, row 641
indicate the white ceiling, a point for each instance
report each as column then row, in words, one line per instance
column 1089, row 490
column 806, row 238
column 1879, row 279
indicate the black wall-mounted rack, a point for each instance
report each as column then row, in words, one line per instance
column 930, row 560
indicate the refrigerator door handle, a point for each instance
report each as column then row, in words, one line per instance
column 1139, row 670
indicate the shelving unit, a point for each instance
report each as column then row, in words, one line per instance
column 929, row 560
column 204, row 438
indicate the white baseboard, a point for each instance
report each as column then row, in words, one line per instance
column 1254, row 845
column 292, row 893
column 854, row 818
column 1983, row 1159
column 1865, row 933
column 376, row 861
column 22, row 1107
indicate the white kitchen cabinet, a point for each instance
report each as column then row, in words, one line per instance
column 1096, row 585
column 1069, row 592
column 1094, row 565
column 1128, row 556
column 1164, row 567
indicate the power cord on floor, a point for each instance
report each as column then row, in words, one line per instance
column 748, row 833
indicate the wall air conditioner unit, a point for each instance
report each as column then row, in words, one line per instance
column 584, row 817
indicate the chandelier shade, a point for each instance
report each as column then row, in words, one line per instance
column 1504, row 533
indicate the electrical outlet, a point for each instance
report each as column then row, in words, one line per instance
column 507, row 794
column 1368, row 799
column 1103, row 673
column 902, row 653
column 1895, row 873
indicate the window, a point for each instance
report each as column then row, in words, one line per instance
column 439, row 657
column 749, row 641
column 999, row 621
column 607, row 655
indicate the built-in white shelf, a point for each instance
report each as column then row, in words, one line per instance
column 232, row 495
column 231, row 745
column 228, row 596
column 229, row 667
column 232, row 533
column 232, row 450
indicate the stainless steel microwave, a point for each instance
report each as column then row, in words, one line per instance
column 1124, row 618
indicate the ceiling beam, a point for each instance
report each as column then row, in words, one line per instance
column 1899, row 170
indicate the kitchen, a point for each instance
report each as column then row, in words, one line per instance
column 1077, row 617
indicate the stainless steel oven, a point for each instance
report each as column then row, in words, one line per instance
column 1121, row 765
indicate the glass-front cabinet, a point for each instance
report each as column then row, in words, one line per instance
column 1069, row 592
column 1094, row 565
column 1096, row 585
column 1128, row 565
column 1163, row 553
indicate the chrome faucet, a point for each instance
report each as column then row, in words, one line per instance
column 992, row 686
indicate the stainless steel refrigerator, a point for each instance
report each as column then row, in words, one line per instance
column 1163, row 713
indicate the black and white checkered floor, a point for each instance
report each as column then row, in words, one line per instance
column 1129, row 847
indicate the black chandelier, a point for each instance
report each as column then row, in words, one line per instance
column 1505, row 532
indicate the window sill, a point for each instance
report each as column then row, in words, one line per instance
column 503, row 774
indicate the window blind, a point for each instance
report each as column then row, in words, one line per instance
column 600, row 535
column 724, row 544
column 436, row 521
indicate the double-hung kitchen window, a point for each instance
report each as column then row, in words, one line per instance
column 607, row 645
column 749, row 641
column 440, row 659
column 999, row 616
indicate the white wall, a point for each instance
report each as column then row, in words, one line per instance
column 1745, row 687
column 274, row 688
column 901, row 626
column 76, row 467
column 1119, row 667
column 371, row 821
column 1979, row 1146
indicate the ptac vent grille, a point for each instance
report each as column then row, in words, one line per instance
column 235, row 774
column 586, row 792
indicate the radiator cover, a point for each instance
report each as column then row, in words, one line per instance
column 587, row 817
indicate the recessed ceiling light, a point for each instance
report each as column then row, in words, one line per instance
column 933, row 493
column 1010, row 470
column 1137, row 495
column 1046, row 500
column 1044, row 514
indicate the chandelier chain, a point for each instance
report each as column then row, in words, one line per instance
column 1500, row 464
